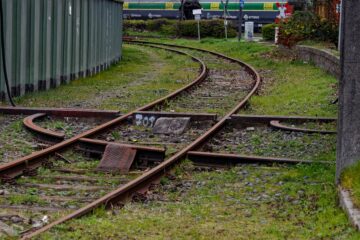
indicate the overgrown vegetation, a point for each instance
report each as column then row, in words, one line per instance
column 143, row 75
column 208, row 28
column 350, row 180
column 246, row 202
column 289, row 86
column 15, row 141
column 268, row 32
column 304, row 25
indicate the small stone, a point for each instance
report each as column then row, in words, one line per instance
column 277, row 195
column 248, row 184
column 187, row 185
column 6, row 229
column 244, row 172
column 4, row 192
column 250, row 129
column 110, row 139
column 301, row 193
column 16, row 219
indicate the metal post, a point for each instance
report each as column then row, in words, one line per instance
column 198, row 25
column 240, row 20
column 225, row 24
column 340, row 28
column 181, row 11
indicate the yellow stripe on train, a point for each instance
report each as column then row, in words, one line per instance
column 214, row 6
column 169, row 5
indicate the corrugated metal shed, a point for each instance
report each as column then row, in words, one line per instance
column 50, row 42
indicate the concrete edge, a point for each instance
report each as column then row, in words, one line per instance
column 348, row 206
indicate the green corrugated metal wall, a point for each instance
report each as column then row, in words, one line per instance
column 49, row 42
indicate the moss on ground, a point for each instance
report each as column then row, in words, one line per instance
column 350, row 180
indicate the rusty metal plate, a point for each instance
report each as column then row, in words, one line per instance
column 117, row 158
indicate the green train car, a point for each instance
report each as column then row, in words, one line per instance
column 260, row 12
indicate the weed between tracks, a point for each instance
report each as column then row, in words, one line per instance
column 67, row 182
column 15, row 141
column 289, row 87
column 246, row 202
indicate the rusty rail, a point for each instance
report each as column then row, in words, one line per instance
column 61, row 112
column 32, row 161
column 157, row 172
column 228, row 160
column 42, row 133
column 278, row 125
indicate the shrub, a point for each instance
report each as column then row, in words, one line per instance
column 268, row 32
column 328, row 31
column 157, row 24
column 208, row 28
column 138, row 25
column 307, row 25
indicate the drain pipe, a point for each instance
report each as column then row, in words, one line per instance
column 2, row 40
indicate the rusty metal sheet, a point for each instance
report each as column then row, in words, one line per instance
column 117, row 158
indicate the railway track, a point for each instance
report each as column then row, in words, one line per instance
column 63, row 173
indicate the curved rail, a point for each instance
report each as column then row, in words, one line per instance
column 157, row 172
column 250, row 69
column 278, row 125
column 56, row 137
column 42, row 133
column 16, row 168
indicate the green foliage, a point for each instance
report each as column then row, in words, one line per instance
column 268, row 32
column 307, row 25
column 350, row 180
column 139, row 25
column 209, row 28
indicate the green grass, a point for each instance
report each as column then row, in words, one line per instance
column 15, row 141
column 143, row 75
column 327, row 46
column 281, row 203
column 25, row 199
column 350, row 180
column 288, row 88
column 277, row 143
column 246, row 202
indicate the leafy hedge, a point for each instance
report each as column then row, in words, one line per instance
column 208, row 28
column 307, row 26
column 268, row 32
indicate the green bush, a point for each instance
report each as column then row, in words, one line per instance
column 208, row 28
column 328, row 31
column 307, row 25
column 268, row 32
column 157, row 24
column 137, row 25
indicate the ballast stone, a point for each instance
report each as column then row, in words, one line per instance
column 166, row 125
